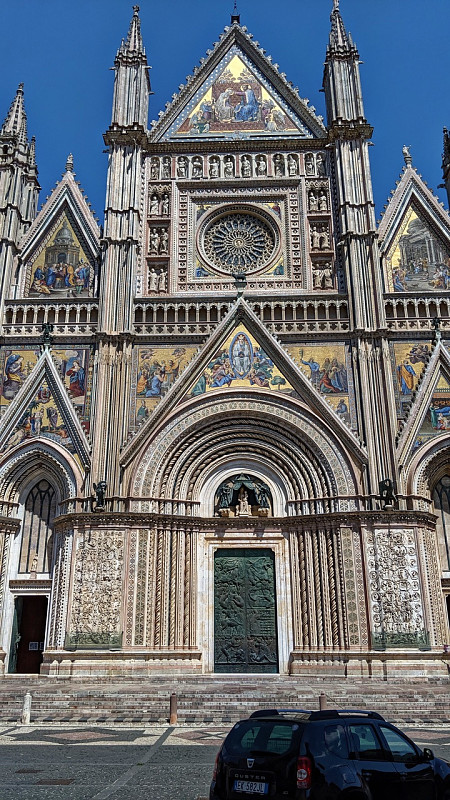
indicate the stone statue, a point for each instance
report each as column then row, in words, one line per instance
column 323, row 202
column 164, row 243
column 313, row 204
column 315, row 238
column 387, row 493
column 166, row 168
column 161, row 281
column 154, row 205
column 154, row 169
column 317, row 278
column 225, row 495
column 406, row 150
column 152, row 280
column 279, row 165
column 320, row 163
column 261, row 166
column 309, row 164
column 324, row 239
column 229, row 167
column 165, row 205
column 154, row 241
column 197, row 167
column 246, row 167
column 214, row 171
column 263, row 494
column 100, row 490
column 243, row 509
column 34, row 563
column 182, row 167
column 292, row 165
column 328, row 277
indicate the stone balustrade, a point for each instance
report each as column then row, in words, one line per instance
column 23, row 318
column 405, row 313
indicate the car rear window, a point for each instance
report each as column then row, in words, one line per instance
column 266, row 736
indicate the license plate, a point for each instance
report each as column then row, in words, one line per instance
column 251, row 787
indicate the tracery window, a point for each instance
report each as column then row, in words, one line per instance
column 441, row 500
column 36, row 545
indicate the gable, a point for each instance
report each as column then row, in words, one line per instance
column 240, row 362
column 237, row 100
column 61, row 266
column 45, row 393
column 417, row 259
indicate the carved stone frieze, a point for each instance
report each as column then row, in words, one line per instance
column 97, row 589
column 394, row 585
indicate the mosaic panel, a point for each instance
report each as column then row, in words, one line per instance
column 155, row 369
column 417, row 260
column 437, row 418
column 42, row 418
column 326, row 367
column 241, row 363
column 62, row 268
column 409, row 360
column 237, row 99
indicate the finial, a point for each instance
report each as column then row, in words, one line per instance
column 335, row 5
column 407, row 155
column 235, row 17
column 135, row 10
column 69, row 163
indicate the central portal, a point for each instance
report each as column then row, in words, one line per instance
column 245, row 631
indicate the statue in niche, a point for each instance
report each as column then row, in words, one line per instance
column 229, row 167
column 309, row 164
column 292, row 165
column 246, row 167
column 154, row 241
column 320, row 163
column 225, row 498
column 166, row 168
column 261, row 166
column 323, row 202
column 317, row 278
column 243, row 508
column 164, row 243
column 161, row 281
column 154, row 205
column 34, row 563
column 328, row 277
column 279, row 165
column 313, row 203
column 165, row 205
column 100, row 491
column 152, row 280
column 154, row 169
column 197, row 167
column 324, row 239
column 315, row 238
column 182, row 167
column 214, row 168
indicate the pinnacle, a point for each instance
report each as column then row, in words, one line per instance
column 16, row 119
column 134, row 43
column 339, row 39
column 69, row 163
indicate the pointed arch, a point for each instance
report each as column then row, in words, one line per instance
column 28, row 461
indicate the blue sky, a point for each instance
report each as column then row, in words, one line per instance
column 62, row 51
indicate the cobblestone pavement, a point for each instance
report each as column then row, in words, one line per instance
column 60, row 762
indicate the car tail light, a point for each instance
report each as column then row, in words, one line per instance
column 216, row 763
column 304, row 773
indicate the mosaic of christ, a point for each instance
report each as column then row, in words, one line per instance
column 236, row 101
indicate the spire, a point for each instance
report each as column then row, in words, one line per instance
column 134, row 43
column 132, row 81
column 32, row 152
column 16, row 119
column 446, row 162
column 339, row 39
column 235, row 17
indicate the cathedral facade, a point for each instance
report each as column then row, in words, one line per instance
column 225, row 416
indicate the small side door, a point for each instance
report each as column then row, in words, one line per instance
column 416, row 774
column 373, row 762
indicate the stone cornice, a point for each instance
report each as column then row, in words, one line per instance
column 258, row 525
column 10, row 525
column 235, row 145
column 350, row 130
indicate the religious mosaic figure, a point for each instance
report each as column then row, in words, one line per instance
column 241, row 354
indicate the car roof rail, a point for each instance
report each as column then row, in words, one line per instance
column 275, row 712
column 336, row 713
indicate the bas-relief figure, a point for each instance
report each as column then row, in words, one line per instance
column 63, row 269
column 418, row 261
column 241, row 362
column 237, row 101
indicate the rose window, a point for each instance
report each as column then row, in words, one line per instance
column 240, row 242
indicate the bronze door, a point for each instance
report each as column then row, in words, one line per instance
column 245, row 630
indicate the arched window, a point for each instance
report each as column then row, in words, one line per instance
column 441, row 500
column 36, row 546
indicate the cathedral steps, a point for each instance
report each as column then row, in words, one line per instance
column 212, row 699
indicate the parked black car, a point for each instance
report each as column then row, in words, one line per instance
column 325, row 755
